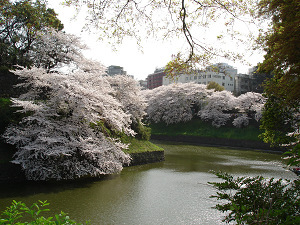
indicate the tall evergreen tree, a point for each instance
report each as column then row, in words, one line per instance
column 20, row 23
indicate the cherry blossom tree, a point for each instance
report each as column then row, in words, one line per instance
column 126, row 90
column 218, row 108
column 183, row 101
column 64, row 136
column 250, row 106
column 175, row 103
column 54, row 49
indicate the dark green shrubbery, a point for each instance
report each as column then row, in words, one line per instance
column 7, row 114
column 143, row 132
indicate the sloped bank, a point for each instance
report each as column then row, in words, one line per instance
column 198, row 140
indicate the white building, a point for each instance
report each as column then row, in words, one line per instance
column 221, row 73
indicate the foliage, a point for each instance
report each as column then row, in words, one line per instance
column 14, row 214
column 280, row 123
column 20, row 24
column 281, row 42
column 184, row 101
column 142, row 131
column 293, row 155
column 255, row 200
column 7, row 114
column 281, row 115
column 57, row 140
column 215, row 86
column 277, row 122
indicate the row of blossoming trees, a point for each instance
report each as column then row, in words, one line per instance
column 182, row 102
column 74, row 120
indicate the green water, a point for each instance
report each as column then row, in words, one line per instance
column 171, row 192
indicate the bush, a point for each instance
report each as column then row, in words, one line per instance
column 215, row 86
column 14, row 214
column 255, row 200
column 143, row 132
column 8, row 114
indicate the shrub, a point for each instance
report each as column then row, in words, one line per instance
column 14, row 214
column 256, row 200
column 142, row 132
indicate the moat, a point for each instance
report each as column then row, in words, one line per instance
column 171, row 192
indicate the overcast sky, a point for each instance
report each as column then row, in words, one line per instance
column 137, row 63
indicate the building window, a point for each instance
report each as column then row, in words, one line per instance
column 187, row 78
column 217, row 76
column 199, row 77
column 204, row 76
column 223, row 84
column 223, row 77
column 209, row 76
column 195, row 77
column 231, row 78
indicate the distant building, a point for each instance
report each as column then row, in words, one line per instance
column 253, row 81
column 143, row 84
column 221, row 73
column 258, row 79
column 115, row 70
column 243, row 84
column 156, row 79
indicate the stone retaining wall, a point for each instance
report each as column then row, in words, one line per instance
column 146, row 157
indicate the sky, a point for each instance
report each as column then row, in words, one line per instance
column 137, row 62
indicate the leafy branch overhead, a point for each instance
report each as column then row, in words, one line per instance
column 164, row 20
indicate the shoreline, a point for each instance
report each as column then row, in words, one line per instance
column 12, row 173
column 219, row 142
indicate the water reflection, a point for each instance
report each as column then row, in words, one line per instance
column 170, row 192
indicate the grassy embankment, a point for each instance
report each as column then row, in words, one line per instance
column 138, row 146
column 196, row 127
